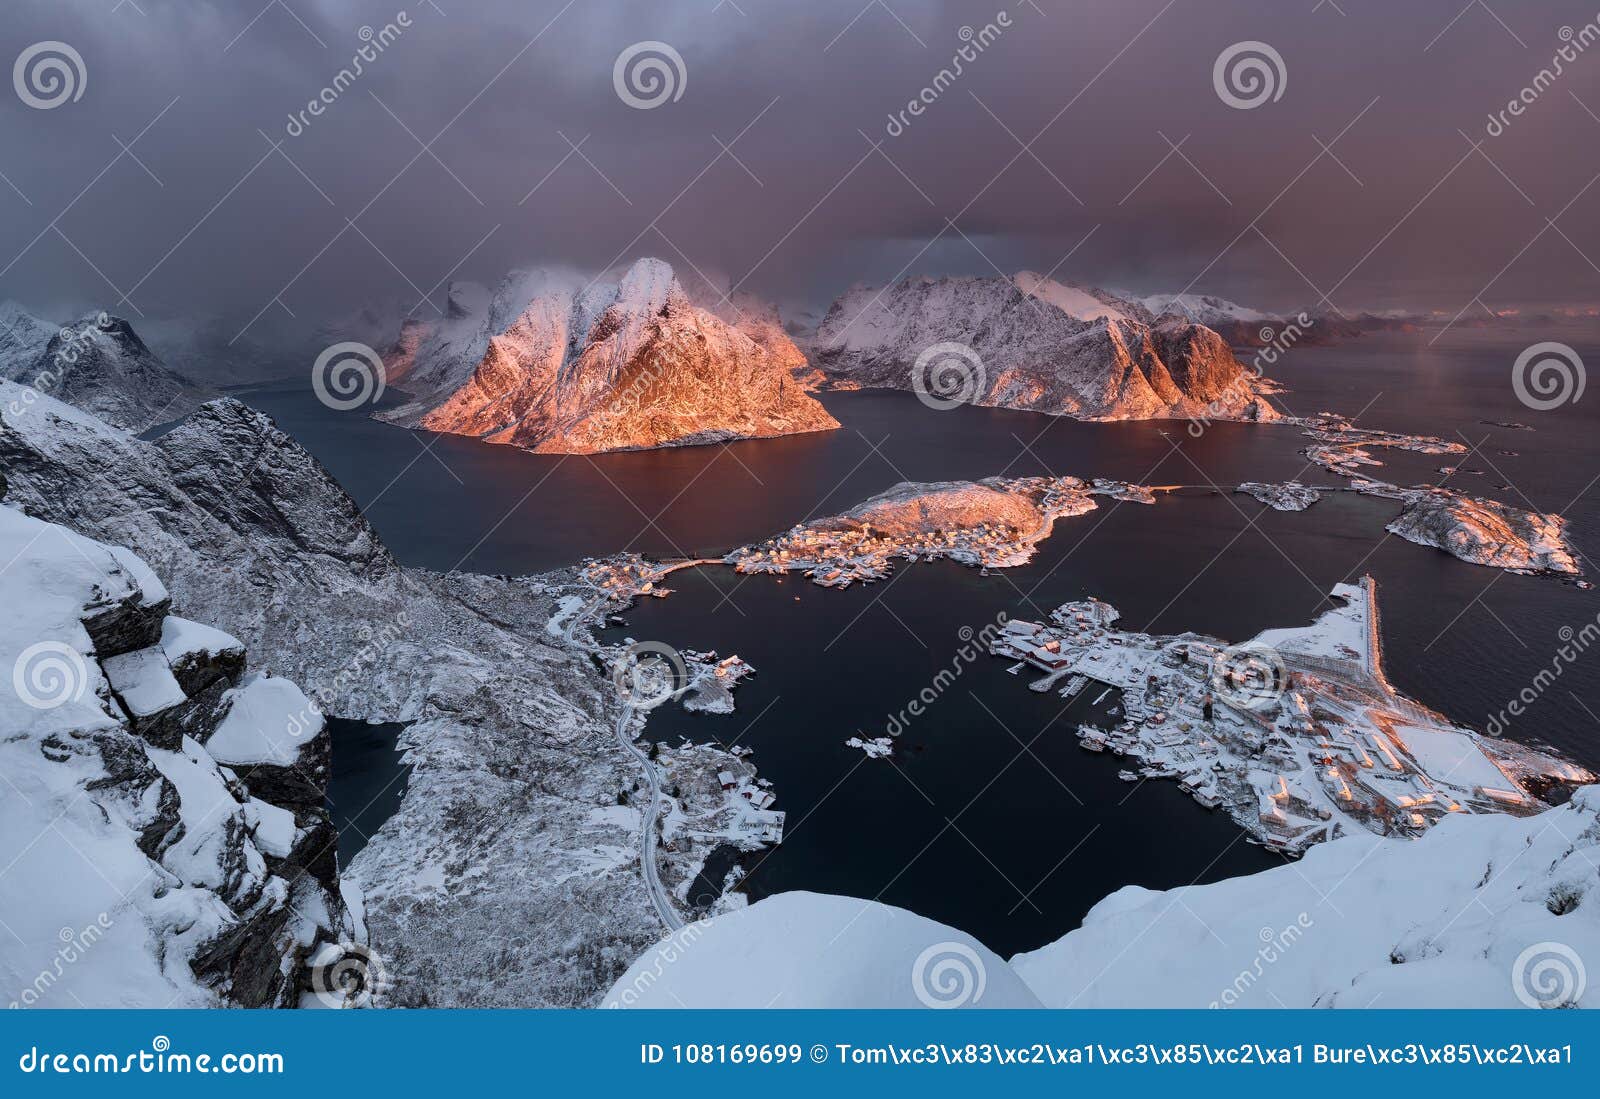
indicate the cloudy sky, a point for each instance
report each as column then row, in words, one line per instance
column 1088, row 138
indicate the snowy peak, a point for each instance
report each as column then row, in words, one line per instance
column 100, row 364
column 561, row 363
column 1037, row 344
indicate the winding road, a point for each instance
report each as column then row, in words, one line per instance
column 647, row 833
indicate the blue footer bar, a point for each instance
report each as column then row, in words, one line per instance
column 785, row 1052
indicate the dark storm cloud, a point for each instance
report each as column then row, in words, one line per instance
column 202, row 215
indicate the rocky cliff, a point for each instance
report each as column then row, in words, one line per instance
column 509, row 876
column 1035, row 344
column 557, row 364
column 165, row 810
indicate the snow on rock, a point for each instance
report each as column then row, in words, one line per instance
column 143, row 681
column 269, row 720
column 562, row 364
column 1039, row 345
column 198, row 654
column 1487, row 912
column 137, row 879
column 812, row 950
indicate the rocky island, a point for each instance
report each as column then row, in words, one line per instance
column 1297, row 734
column 562, row 364
column 1032, row 343
column 993, row 523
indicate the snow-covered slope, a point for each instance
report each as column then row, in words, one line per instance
column 23, row 338
column 1035, row 344
column 500, row 881
column 100, row 364
column 1084, row 303
column 557, row 363
column 812, row 950
column 1206, row 309
column 141, row 872
column 1483, row 911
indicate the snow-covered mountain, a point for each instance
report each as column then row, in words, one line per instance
column 99, row 364
column 1033, row 343
column 161, row 854
column 509, row 876
column 1482, row 911
column 23, row 338
column 560, row 364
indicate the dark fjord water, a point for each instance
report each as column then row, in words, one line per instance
column 989, row 817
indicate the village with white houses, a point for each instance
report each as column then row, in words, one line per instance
column 1297, row 734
